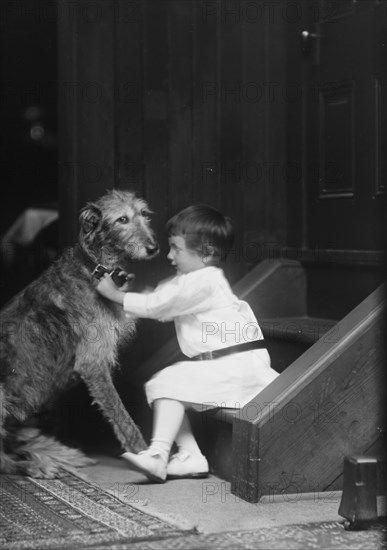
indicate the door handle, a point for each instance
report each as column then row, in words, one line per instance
column 309, row 42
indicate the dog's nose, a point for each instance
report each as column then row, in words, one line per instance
column 152, row 249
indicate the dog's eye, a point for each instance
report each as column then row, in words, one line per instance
column 146, row 215
column 123, row 219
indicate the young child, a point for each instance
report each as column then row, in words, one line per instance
column 220, row 332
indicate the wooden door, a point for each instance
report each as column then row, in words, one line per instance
column 345, row 60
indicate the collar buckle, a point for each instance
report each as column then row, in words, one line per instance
column 99, row 271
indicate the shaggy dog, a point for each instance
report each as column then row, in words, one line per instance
column 59, row 326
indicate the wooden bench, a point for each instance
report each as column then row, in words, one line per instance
column 364, row 482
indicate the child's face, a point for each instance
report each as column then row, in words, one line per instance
column 182, row 258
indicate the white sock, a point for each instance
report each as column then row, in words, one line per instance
column 185, row 439
column 167, row 418
column 162, row 446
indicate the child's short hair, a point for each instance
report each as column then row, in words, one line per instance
column 205, row 230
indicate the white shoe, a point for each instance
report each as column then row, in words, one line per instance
column 149, row 462
column 186, row 465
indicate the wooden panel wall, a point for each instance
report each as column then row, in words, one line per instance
column 86, row 107
column 174, row 99
column 184, row 114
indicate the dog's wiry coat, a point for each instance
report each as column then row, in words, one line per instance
column 59, row 325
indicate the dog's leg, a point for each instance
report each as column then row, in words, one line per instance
column 32, row 453
column 105, row 395
column 7, row 464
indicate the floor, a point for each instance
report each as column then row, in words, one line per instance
column 208, row 504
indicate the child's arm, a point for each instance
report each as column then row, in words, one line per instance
column 167, row 301
column 107, row 288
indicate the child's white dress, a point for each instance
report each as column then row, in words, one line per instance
column 207, row 316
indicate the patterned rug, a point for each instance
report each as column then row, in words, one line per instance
column 314, row 536
column 322, row 536
column 56, row 514
column 72, row 513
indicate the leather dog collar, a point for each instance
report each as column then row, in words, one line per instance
column 99, row 270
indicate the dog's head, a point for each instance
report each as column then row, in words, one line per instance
column 116, row 228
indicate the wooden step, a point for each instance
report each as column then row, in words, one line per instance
column 328, row 404
column 298, row 329
column 294, row 435
column 287, row 338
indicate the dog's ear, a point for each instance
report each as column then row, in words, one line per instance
column 90, row 218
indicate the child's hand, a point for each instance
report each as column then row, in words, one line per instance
column 123, row 280
column 108, row 289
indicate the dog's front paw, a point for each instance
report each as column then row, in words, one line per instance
column 42, row 469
